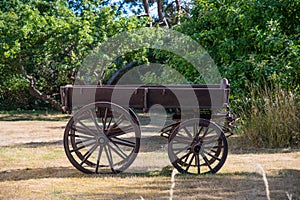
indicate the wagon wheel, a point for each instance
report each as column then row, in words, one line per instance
column 197, row 146
column 102, row 137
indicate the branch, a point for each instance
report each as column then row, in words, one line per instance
column 121, row 6
column 34, row 91
column 178, row 9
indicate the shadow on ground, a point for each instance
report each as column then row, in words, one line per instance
column 148, row 144
column 242, row 185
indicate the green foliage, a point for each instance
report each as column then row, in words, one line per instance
column 251, row 41
column 188, row 72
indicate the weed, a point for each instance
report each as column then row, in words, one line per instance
column 56, row 192
column 262, row 172
column 174, row 172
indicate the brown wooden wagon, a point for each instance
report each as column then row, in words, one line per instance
column 104, row 135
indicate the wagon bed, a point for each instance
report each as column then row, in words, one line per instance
column 211, row 96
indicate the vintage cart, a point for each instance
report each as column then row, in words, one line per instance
column 104, row 134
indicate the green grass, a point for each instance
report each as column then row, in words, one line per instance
column 28, row 115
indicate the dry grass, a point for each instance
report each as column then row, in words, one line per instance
column 37, row 168
column 271, row 119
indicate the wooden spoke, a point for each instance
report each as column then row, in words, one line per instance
column 83, row 146
column 81, row 136
column 98, row 159
column 183, row 140
column 119, row 131
column 109, row 123
column 186, row 156
column 104, row 118
column 82, row 141
column 178, row 150
column 213, row 156
column 93, row 115
column 188, row 132
column 207, row 162
column 197, row 134
column 123, row 142
column 119, row 151
column 197, row 159
column 83, row 131
column 205, row 132
column 87, row 129
column 215, row 147
column 190, row 163
column 117, row 122
column 109, row 157
column 88, row 154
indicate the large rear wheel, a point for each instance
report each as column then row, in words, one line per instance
column 102, row 137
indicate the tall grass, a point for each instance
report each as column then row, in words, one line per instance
column 270, row 118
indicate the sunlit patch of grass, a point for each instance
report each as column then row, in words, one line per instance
column 20, row 157
column 56, row 192
column 165, row 171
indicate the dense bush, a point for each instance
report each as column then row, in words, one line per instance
column 14, row 94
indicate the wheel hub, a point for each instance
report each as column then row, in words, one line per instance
column 101, row 140
column 197, row 147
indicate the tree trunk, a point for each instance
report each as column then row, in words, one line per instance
column 146, row 7
column 160, row 10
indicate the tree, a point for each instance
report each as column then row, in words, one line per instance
column 44, row 42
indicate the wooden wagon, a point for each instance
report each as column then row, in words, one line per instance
column 104, row 134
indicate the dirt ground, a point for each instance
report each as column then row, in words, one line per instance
column 33, row 166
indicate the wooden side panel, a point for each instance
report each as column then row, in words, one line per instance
column 171, row 96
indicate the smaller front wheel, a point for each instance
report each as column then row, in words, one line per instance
column 197, row 146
